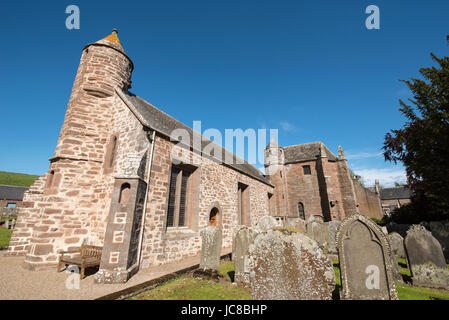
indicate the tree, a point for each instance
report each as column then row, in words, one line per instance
column 422, row 144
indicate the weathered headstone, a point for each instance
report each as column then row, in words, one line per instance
column 7, row 223
column 266, row 223
column 440, row 230
column 317, row 231
column 332, row 228
column 365, row 260
column 289, row 266
column 13, row 224
column 425, row 259
column 242, row 240
column 211, row 248
column 397, row 244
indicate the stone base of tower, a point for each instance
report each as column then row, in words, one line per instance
column 115, row 276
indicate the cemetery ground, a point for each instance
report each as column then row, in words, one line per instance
column 187, row 287
column 5, row 235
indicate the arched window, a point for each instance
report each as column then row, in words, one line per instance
column 213, row 217
column 124, row 193
column 301, row 212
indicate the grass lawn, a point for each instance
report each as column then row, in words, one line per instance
column 187, row 287
column 5, row 235
column 17, row 179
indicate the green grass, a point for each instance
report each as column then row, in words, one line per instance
column 227, row 270
column 17, row 179
column 5, row 235
column 406, row 292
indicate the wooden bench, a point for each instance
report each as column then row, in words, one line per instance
column 88, row 256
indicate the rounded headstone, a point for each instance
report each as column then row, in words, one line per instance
column 266, row 223
column 211, row 248
column 242, row 240
column 289, row 266
column 397, row 244
column 425, row 258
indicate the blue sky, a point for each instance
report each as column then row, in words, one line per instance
column 309, row 68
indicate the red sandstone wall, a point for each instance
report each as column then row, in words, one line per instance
column 368, row 201
column 303, row 188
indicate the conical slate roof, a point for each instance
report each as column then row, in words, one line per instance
column 112, row 40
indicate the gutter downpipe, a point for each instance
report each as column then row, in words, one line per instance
column 142, row 228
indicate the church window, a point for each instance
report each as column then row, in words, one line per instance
column 178, row 204
column 307, row 170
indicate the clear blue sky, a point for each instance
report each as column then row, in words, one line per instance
column 309, row 68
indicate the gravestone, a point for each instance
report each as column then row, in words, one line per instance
column 7, row 223
column 317, row 231
column 266, row 223
column 332, row 228
column 440, row 230
column 365, row 260
column 397, row 244
column 242, row 240
column 288, row 265
column 13, row 224
column 211, row 248
column 425, row 259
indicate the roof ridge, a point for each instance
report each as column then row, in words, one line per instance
column 301, row 144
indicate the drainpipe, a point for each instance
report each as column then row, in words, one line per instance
column 142, row 227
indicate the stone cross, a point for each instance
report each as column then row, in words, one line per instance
column 365, row 260
column 211, row 248
column 288, row 265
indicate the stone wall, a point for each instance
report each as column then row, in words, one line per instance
column 368, row 201
column 217, row 188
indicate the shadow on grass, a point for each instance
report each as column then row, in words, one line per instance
column 231, row 275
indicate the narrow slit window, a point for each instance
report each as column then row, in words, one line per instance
column 301, row 212
column 124, row 193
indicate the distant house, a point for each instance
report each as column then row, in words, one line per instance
column 393, row 198
column 11, row 196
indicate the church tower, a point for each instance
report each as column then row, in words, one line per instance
column 71, row 203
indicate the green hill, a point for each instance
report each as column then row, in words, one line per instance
column 17, row 179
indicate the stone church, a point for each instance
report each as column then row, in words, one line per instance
column 114, row 181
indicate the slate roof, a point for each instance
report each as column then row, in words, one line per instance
column 306, row 152
column 155, row 119
column 395, row 193
column 12, row 192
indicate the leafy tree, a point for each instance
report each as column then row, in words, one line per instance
column 422, row 144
